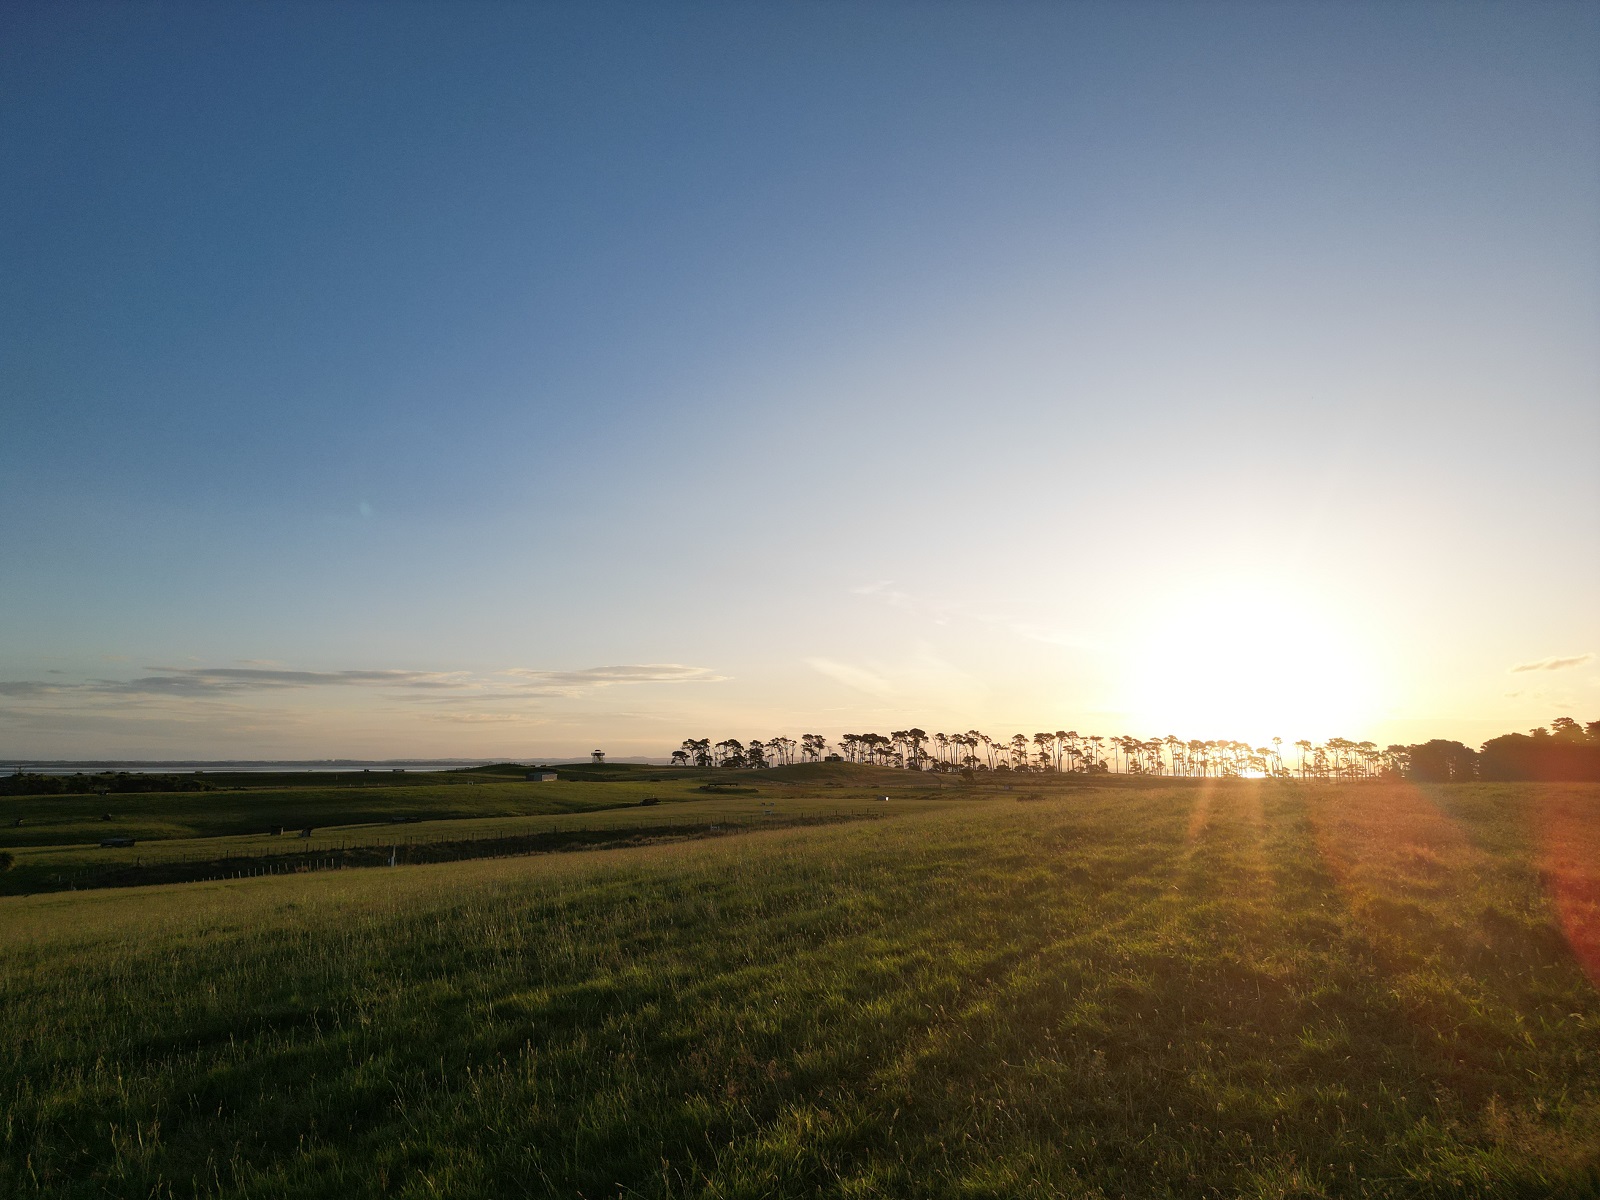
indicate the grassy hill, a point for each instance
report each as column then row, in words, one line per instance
column 58, row 820
column 262, row 800
column 1250, row 989
column 56, row 840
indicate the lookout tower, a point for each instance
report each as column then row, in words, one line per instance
column 599, row 756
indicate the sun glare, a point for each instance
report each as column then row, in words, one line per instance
column 1250, row 663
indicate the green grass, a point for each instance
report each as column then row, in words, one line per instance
column 57, row 867
column 57, row 820
column 1236, row 990
column 296, row 801
column 57, row 845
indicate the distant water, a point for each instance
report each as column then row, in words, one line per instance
column 302, row 766
column 231, row 766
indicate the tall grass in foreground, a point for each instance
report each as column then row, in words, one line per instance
column 1251, row 989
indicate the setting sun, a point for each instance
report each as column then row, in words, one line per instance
column 1248, row 658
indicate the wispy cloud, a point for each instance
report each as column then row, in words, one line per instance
column 606, row 676
column 923, row 607
column 29, row 687
column 476, row 718
column 859, row 678
column 940, row 612
column 272, row 707
column 1048, row 635
column 217, row 681
column 202, row 681
column 195, row 683
column 1553, row 664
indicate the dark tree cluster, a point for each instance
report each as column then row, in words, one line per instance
column 106, row 782
column 1565, row 751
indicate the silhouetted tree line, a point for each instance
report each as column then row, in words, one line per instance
column 26, row 784
column 1565, row 751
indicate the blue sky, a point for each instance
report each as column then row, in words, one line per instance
column 506, row 379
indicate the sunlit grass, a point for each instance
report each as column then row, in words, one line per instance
column 1239, row 989
column 57, row 859
column 56, row 820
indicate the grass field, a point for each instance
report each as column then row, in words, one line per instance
column 1252, row 989
column 56, row 820
column 55, row 841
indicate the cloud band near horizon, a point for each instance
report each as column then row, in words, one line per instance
column 513, row 682
column 1553, row 664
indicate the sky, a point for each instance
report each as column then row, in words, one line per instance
column 487, row 380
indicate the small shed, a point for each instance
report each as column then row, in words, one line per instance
column 540, row 776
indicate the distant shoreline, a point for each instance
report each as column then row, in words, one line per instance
column 37, row 766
